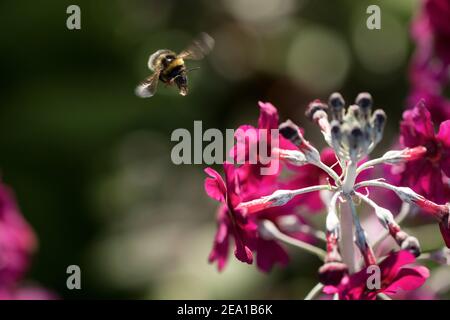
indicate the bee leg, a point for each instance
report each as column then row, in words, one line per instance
column 192, row 69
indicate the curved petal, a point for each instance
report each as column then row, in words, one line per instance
column 408, row 279
column 416, row 127
column 444, row 138
column 219, row 251
column 268, row 117
column 243, row 252
column 269, row 253
column 215, row 186
column 391, row 265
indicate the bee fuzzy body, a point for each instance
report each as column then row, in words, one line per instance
column 173, row 69
column 169, row 67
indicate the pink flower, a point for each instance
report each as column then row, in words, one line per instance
column 430, row 65
column 27, row 293
column 438, row 12
column 438, row 105
column 395, row 277
column 231, row 221
column 236, row 224
column 250, row 174
column 17, row 240
column 426, row 175
column 245, row 182
column 246, row 148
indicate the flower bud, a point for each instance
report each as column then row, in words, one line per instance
column 336, row 104
column 365, row 102
column 378, row 122
column 355, row 142
column 291, row 131
column 295, row 157
column 336, row 136
column 314, row 107
column 408, row 154
column 412, row 245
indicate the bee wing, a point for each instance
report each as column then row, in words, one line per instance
column 199, row 48
column 147, row 88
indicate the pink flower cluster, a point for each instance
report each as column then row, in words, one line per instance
column 258, row 212
column 17, row 243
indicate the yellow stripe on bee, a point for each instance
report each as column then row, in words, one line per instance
column 175, row 63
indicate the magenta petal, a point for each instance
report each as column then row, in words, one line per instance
column 390, row 266
column 268, row 117
column 243, row 253
column 244, row 240
column 215, row 186
column 219, row 251
column 430, row 182
column 444, row 138
column 416, row 127
column 17, row 239
column 408, row 279
column 422, row 120
column 444, row 133
column 232, row 182
column 34, row 293
column 330, row 290
column 270, row 253
column 246, row 139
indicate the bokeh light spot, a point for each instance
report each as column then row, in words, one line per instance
column 319, row 59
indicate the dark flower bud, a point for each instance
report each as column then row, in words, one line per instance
column 356, row 138
column 336, row 133
column 336, row 101
column 313, row 107
column 291, row 131
column 412, row 245
column 336, row 104
column 364, row 101
column 378, row 122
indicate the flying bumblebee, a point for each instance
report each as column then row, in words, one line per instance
column 170, row 68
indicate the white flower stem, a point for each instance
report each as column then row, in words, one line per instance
column 375, row 183
column 314, row 292
column 350, row 177
column 310, row 189
column 404, row 211
column 274, row 232
column 330, row 172
column 369, row 164
column 347, row 246
column 318, row 234
column 287, row 194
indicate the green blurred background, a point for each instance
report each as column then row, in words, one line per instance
column 90, row 162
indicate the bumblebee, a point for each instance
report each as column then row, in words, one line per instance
column 169, row 67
